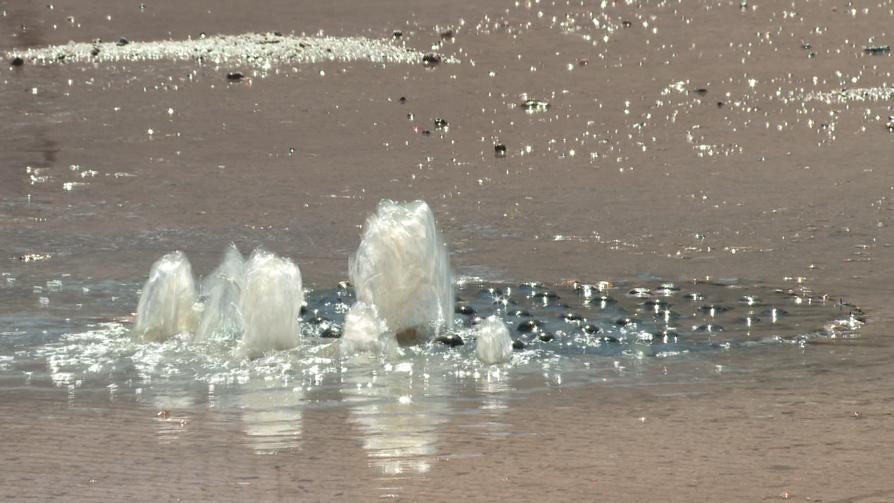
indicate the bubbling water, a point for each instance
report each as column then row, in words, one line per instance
column 402, row 268
column 255, row 304
column 167, row 303
column 494, row 342
column 270, row 304
column 221, row 317
column 365, row 331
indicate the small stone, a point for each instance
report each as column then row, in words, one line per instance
column 331, row 332
column 447, row 35
column 518, row 345
column 402, row 100
column 529, row 326
column 701, row 91
column 440, row 123
column 17, row 61
column 235, row 76
column 591, row 329
column 464, row 309
column 534, row 106
column 431, row 59
column 626, row 24
column 122, row 42
column 397, row 34
column 499, row 151
column 451, row 340
column 94, row 52
column 877, row 50
column 546, row 336
column 571, row 317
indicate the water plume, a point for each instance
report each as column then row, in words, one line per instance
column 494, row 342
column 402, row 268
column 365, row 331
column 270, row 304
column 222, row 290
column 166, row 305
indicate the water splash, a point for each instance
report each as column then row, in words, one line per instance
column 166, row 305
column 222, row 290
column 403, row 269
column 270, row 304
column 366, row 331
column 494, row 342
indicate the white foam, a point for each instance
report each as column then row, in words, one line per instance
column 365, row 331
column 494, row 342
column 166, row 305
column 402, row 267
column 270, row 304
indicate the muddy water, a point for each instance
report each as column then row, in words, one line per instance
column 697, row 141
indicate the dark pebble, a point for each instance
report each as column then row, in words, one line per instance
column 431, row 59
column 122, row 42
column 17, row 61
column 529, row 326
column 464, row 309
column 397, row 34
column 518, row 345
column 546, row 336
column 277, row 34
column 303, row 310
column 94, row 52
column 591, row 329
column 608, row 339
column 626, row 24
column 572, row 317
column 331, row 332
column 719, row 104
column 447, row 35
column 440, row 123
column 701, row 91
column 451, row 340
column 402, row 100
column 235, row 76
column 426, row 132
column 623, row 322
column 545, row 295
column 500, row 150
column 875, row 51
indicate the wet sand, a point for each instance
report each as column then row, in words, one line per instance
column 771, row 186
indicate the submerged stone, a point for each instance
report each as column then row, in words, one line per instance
column 431, row 59
column 235, row 76
column 499, row 151
column 451, row 340
column 529, row 326
column 17, row 61
column 331, row 332
column 534, row 106
column 877, row 50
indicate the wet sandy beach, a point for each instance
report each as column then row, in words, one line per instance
column 705, row 140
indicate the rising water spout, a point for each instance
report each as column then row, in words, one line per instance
column 166, row 305
column 402, row 268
